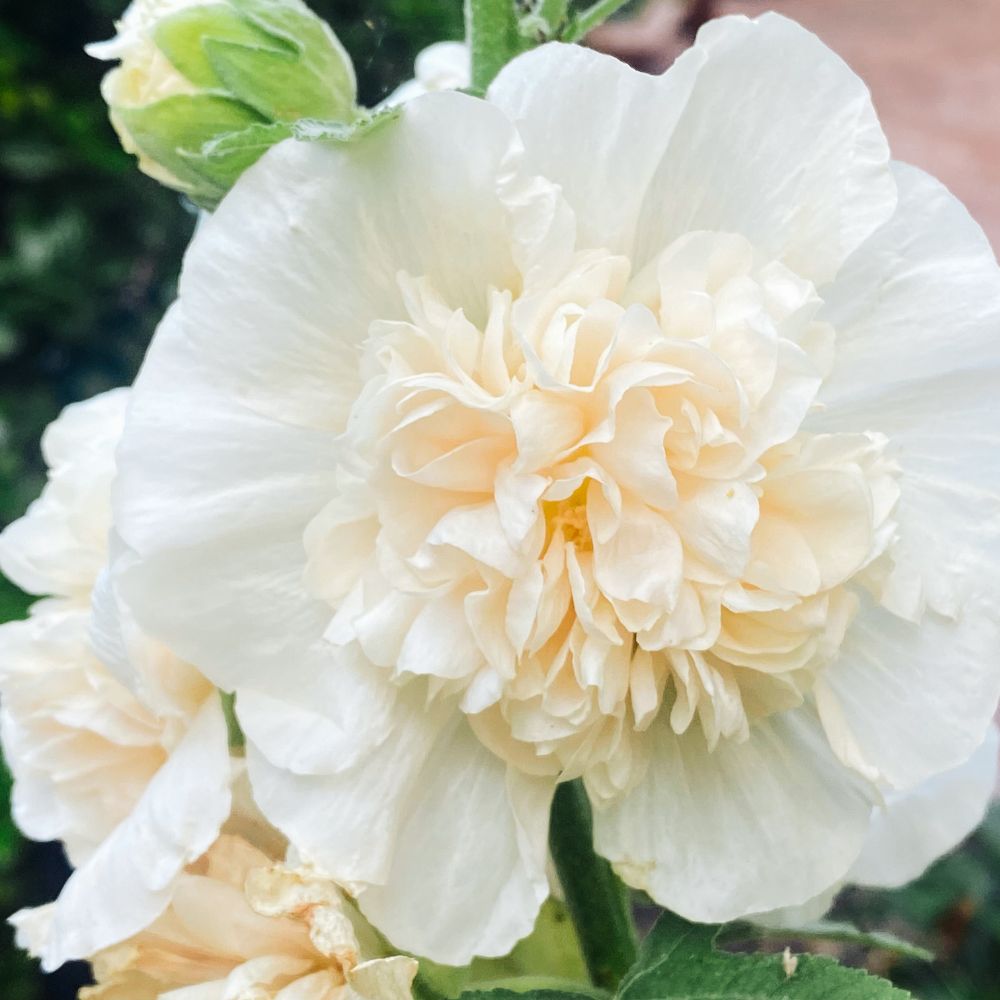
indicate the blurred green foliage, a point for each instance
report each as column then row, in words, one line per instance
column 89, row 253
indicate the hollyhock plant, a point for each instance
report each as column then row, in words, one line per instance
column 583, row 479
column 117, row 748
column 615, row 428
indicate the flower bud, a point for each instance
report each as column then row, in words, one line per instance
column 441, row 66
column 204, row 88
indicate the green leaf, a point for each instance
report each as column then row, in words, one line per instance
column 548, row 958
column 508, row 994
column 827, row 930
column 222, row 159
column 551, row 949
column 679, row 961
column 317, row 130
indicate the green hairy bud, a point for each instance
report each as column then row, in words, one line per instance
column 203, row 89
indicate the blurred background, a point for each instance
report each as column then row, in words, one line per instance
column 90, row 250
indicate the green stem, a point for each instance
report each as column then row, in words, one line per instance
column 588, row 19
column 491, row 30
column 595, row 898
column 236, row 738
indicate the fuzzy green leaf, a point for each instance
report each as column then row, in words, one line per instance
column 314, row 130
column 679, row 961
column 529, row 994
column 221, row 160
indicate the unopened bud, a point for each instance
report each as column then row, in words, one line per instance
column 204, row 88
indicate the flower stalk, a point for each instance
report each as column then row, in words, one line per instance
column 491, row 30
column 596, row 899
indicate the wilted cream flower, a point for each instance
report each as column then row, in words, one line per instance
column 61, row 545
column 202, row 86
column 441, row 66
column 619, row 427
column 241, row 927
column 117, row 748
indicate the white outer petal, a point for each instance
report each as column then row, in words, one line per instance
column 917, row 699
column 447, row 845
column 31, row 927
column 346, row 821
column 127, row 883
column 917, row 313
column 212, row 500
column 303, row 254
column 161, row 682
column 79, row 746
column 915, row 828
column 475, row 843
column 911, row 831
column 224, row 464
column 808, row 184
column 749, row 827
column 328, row 736
column 918, row 358
column 643, row 160
column 595, row 127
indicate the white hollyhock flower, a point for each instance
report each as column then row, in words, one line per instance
column 117, row 748
column 287, row 932
column 441, row 66
column 621, row 427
